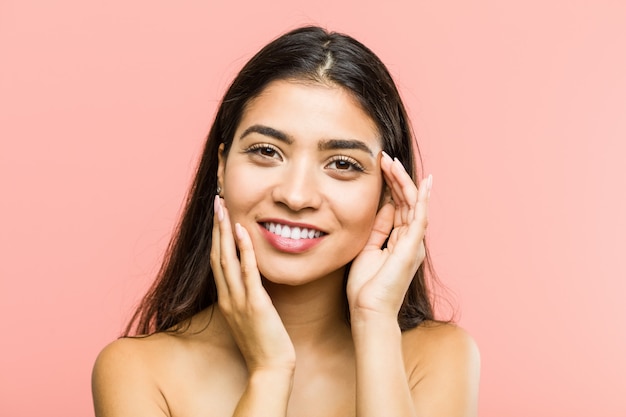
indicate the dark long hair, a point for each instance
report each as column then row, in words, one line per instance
column 185, row 283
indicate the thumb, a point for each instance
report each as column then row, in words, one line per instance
column 383, row 223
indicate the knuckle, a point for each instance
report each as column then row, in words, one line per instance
column 214, row 259
column 245, row 269
column 223, row 261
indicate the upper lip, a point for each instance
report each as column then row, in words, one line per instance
column 291, row 224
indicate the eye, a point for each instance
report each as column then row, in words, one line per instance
column 264, row 150
column 344, row 163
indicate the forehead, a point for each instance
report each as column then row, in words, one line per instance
column 308, row 110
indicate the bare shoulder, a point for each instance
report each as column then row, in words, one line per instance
column 443, row 367
column 439, row 339
column 125, row 377
column 131, row 354
column 168, row 373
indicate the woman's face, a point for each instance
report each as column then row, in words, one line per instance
column 303, row 177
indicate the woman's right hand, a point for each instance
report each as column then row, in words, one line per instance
column 254, row 322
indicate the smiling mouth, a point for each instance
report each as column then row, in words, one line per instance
column 290, row 232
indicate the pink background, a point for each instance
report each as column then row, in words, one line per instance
column 520, row 109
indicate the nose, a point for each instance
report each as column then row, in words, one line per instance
column 298, row 187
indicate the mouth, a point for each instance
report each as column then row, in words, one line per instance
column 292, row 232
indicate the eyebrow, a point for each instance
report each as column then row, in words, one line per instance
column 344, row 144
column 324, row 145
column 267, row 131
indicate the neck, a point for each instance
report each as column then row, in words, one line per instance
column 313, row 313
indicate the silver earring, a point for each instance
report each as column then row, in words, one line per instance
column 219, row 190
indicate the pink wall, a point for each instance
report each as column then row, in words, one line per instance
column 520, row 108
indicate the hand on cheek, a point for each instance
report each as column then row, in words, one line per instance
column 379, row 278
column 243, row 301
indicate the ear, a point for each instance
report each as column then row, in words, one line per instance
column 221, row 163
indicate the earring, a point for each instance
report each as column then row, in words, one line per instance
column 219, row 190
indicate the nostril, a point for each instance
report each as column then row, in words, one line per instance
column 297, row 192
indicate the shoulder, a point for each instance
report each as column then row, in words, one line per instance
column 125, row 375
column 435, row 338
column 123, row 349
column 145, row 353
column 135, row 352
column 434, row 344
column 442, row 362
column 148, row 375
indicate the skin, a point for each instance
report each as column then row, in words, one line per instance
column 277, row 343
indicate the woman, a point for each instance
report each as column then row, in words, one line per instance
column 295, row 284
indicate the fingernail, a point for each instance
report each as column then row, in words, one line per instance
column 217, row 207
column 386, row 155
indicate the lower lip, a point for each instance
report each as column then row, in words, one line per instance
column 285, row 244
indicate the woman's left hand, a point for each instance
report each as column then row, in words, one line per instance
column 379, row 278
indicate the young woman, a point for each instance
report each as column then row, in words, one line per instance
column 296, row 283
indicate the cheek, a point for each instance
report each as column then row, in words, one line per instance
column 240, row 191
column 362, row 212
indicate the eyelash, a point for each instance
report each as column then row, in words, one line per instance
column 258, row 147
column 353, row 163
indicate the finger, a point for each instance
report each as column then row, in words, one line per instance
column 383, row 224
column 414, row 238
column 411, row 252
column 400, row 181
column 215, row 249
column 249, row 270
column 393, row 187
column 421, row 211
column 407, row 188
column 404, row 192
column 412, row 248
column 229, row 262
column 386, row 165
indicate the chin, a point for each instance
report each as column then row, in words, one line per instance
column 297, row 278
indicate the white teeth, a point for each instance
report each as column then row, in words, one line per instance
column 292, row 232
